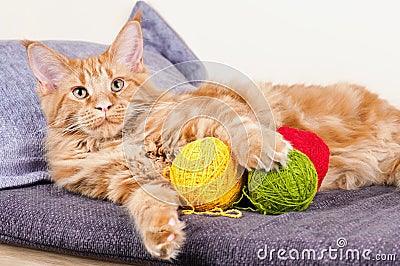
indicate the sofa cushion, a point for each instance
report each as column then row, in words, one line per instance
column 365, row 220
column 22, row 124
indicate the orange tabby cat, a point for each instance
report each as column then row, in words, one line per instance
column 85, row 102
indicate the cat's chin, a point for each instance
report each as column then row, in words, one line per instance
column 105, row 131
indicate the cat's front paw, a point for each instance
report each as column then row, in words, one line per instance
column 268, row 153
column 281, row 151
column 164, row 235
column 156, row 219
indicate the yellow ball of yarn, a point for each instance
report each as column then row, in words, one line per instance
column 205, row 175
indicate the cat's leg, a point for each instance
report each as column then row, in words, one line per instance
column 346, row 171
column 259, row 147
column 391, row 164
column 254, row 146
column 154, row 205
column 393, row 168
column 148, row 197
column 393, row 176
column 363, row 164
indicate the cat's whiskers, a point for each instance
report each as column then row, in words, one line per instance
column 64, row 121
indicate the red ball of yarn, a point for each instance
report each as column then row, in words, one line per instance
column 311, row 145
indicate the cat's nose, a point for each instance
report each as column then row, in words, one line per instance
column 104, row 106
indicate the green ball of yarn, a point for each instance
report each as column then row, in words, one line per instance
column 290, row 189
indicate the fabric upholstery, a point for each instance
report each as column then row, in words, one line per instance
column 48, row 218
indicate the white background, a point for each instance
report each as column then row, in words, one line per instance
column 280, row 41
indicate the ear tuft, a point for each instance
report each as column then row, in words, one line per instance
column 26, row 43
column 138, row 16
column 127, row 48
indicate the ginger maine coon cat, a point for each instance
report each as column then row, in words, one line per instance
column 85, row 101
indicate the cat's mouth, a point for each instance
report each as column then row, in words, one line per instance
column 103, row 126
column 106, row 122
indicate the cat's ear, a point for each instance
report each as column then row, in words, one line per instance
column 127, row 48
column 49, row 67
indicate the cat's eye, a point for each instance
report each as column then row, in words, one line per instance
column 80, row 92
column 117, row 85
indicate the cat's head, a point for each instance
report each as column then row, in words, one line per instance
column 91, row 95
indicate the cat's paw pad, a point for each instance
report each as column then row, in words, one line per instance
column 165, row 237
